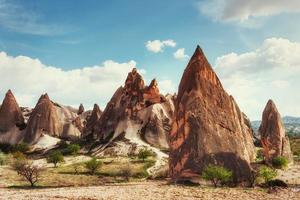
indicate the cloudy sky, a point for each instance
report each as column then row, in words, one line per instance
column 81, row 51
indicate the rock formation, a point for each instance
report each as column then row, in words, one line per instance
column 10, row 114
column 80, row 109
column 43, row 119
column 273, row 139
column 51, row 119
column 208, row 127
column 136, row 115
column 91, row 122
column 126, row 104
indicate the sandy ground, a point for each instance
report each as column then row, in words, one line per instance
column 147, row 190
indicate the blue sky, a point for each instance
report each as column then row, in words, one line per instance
column 70, row 35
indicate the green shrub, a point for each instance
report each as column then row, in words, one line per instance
column 69, row 149
column 55, row 157
column 22, row 147
column 280, row 162
column 73, row 149
column 2, row 158
column 259, row 155
column 216, row 174
column 144, row 154
column 267, row 173
column 93, row 165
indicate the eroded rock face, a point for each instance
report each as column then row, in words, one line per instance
column 52, row 119
column 208, row 128
column 10, row 114
column 43, row 120
column 273, row 139
column 91, row 121
column 136, row 110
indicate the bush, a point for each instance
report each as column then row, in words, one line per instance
column 259, row 155
column 280, row 162
column 216, row 174
column 22, row 147
column 55, row 157
column 2, row 158
column 72, row 149
column 144, row 154
column 93, row 165
column 27, row 170
column 126, row 172
column 267, row 173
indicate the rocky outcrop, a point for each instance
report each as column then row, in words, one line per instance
column 273, row 139
column 43, row 120
column 80, row 109
column 91, row 122
column 10, row 114
column 51, row 119
column 137, row 115
column 125, row 105
column 209, row 127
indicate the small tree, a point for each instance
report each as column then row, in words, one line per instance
column 144, row 154
column 55, row 157
column 73, row 149
column 93, row 165
column 280, row 162
column 27, row 170
column 216, row 174
column 267, row 173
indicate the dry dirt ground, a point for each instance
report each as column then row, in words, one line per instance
column 148, row 190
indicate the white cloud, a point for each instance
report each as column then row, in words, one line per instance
column 180, row 54
column 166, row 86
column 157, row 46
column 241, row 10
column 29, row 78
column 15, row 17
column 270, row 71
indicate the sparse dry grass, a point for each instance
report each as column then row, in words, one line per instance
column 66, row 176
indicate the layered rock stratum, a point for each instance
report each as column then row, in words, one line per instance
column 208, row 127
column 273, row 139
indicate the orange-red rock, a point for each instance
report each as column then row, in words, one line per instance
column 208, row 127
column 10, row 113
column 273, row 139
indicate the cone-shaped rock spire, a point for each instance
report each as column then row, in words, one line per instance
column 274, row 141
column 44, row 119
column 208, row 127
column 10, row 113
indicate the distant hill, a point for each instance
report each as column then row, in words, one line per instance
column 292, row 125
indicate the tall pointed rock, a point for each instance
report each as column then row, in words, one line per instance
column 92, row 121
column 43, row 119
column 10, row 113
column 208, row 127
column 274, row 141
